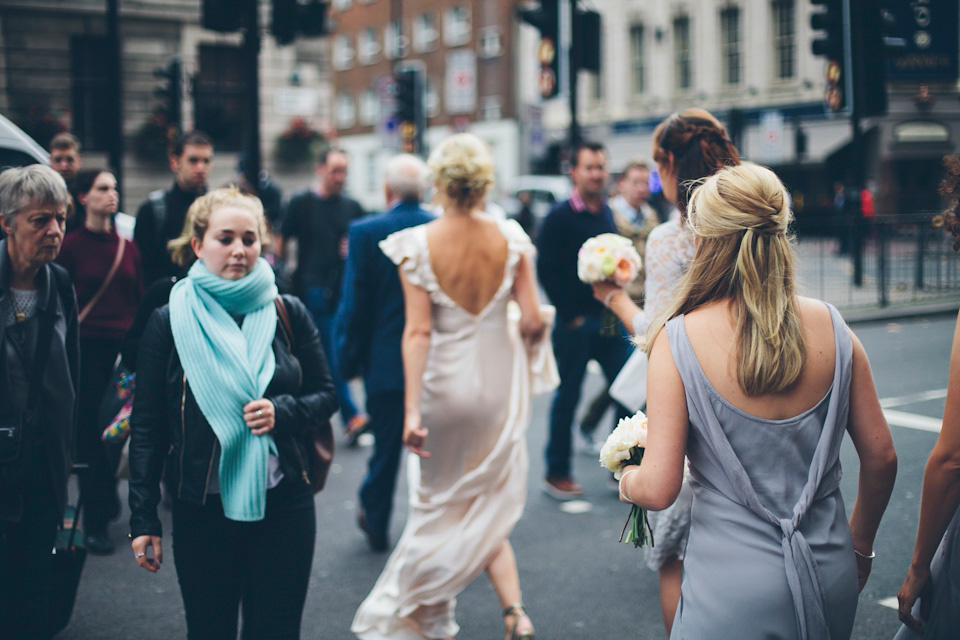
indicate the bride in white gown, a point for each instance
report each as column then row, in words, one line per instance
column 469, row 367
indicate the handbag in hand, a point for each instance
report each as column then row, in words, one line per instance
column 322, row 444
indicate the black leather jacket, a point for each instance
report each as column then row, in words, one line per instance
column 168, row 426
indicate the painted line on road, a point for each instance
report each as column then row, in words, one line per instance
column 892, row 603
column 913, row 398
column 912, row 420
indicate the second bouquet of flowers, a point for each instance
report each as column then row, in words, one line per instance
column 623, row 448
column 608, row 256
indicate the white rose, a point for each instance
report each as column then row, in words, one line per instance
column 630, row 433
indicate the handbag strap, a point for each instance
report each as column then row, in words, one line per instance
column 284, row 316
column 117, row 258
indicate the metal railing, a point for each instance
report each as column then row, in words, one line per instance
column 905, row 261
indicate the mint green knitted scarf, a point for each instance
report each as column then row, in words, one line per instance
column 228, row 366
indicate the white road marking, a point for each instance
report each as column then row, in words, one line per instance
column 913, row 398
column 912, row 420
column 892, row 603
column 575, row 506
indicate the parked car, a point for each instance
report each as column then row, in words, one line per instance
column 545, row 190
column 17, row 149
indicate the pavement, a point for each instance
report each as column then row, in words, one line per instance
column 578, row 581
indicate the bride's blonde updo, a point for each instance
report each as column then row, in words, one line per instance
column 740, row 216
column 462, row 167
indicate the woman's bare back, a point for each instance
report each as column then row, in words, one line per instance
column 711, row 332
column 468, row 254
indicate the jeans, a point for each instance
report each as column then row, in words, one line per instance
column 323, row 308
column 26, row 561
column 574, row 348
column 263, row 567
column 98, row 483
column 386, row 425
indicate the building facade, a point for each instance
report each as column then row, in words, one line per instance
column 466, row 51
column 750, row 63
column 54, row 61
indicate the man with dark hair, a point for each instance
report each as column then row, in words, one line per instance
column 584, row 329
column 66, row 159
column 160, row 218
column 318, row 219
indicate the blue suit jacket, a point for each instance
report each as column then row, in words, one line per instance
column 369, row 324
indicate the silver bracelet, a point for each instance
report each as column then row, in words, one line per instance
column 607, row 298
column 873, row 554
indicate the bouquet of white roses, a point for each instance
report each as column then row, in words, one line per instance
column 608, row 256
column 625, row 447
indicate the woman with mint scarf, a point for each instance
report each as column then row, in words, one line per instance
column 228, row 402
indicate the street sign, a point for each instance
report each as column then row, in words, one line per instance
column 460, row 82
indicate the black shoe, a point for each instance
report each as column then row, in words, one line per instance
column 377, row 541
column 98, row 544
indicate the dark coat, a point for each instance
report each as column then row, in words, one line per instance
column 168, row 427
column 52, row 422
column 371, row 316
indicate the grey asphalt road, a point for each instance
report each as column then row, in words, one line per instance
column 578, row 582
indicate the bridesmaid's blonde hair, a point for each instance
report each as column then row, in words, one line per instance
column 462, row 167
column 198, row 219
column 740, row 217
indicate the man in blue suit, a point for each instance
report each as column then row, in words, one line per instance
column 368, row 331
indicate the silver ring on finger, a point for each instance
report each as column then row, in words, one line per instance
column 259, row 413
column 140, row 555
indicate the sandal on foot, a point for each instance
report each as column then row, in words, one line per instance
column 515, row 632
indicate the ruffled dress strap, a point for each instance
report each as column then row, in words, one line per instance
column 518, row 242
column 407, row 249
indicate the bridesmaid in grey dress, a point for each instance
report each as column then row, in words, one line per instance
column 930, row 596
column 757, row 386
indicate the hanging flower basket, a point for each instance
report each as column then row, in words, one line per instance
column 154, row 139
column 298, row 143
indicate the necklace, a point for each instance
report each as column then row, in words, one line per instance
column 24, row 304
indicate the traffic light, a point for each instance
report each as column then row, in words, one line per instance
column 831, row 44
column 546, row 19
column 586, row 40
column 171, row 91
column 221, row 15
column 291, row 18
column 873, row 38
column 409, row 108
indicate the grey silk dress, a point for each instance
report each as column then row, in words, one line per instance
column 943, row 621
column 770, row 553
column 466, row 498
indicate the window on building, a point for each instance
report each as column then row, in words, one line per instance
column 456, row 26
column 425, row 34
column 345, row 112
column 638, row 68
column 369, row 108
column 491, row 42
column 218, row 95
column 90, row 63
column 342, row 52
column 394, row 43
column 368, row 46
column 491, row 108
column 730, row 58
column 784, row 40
column 431, row 98
column 682, row 59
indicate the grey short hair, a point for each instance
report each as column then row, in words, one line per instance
column 407, row 177
column 35, row 185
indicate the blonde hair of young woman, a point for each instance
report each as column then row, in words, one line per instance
column 740, row 217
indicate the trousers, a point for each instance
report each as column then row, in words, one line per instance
column 261, row 568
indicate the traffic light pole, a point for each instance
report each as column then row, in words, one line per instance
column 250, row 54
column 569, row 65
column 116, row 86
